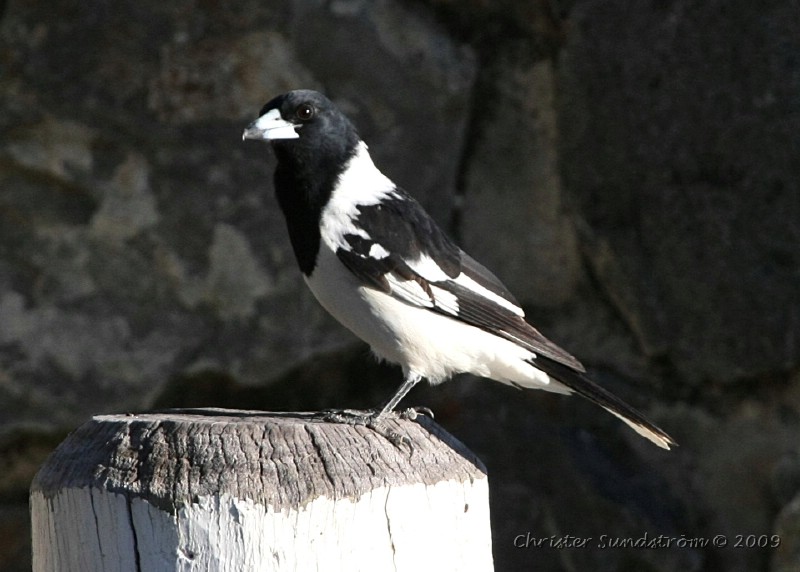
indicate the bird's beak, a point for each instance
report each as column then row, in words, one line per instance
column 271, row 126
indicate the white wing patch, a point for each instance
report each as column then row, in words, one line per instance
column 483, row 292
column 412, row 292
column 444, row 300
column 426, row 267
column 377, row 251
column 409, row 291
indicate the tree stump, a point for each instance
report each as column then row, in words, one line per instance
column 212, row 489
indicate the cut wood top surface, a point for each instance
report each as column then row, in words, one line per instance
column 279, row 460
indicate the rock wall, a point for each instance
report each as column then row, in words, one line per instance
column 629, row 170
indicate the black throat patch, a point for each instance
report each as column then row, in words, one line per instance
column 304, row 182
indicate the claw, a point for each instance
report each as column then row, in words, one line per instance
column 399, row 441
column 413, row 412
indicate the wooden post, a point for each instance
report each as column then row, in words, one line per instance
column 225, row 490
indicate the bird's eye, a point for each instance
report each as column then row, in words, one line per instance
column 304, row 111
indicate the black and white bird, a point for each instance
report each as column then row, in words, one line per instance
column 383, row 268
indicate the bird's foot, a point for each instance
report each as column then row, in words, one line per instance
column 413, row 412
column 374, row 419
column 365, row 417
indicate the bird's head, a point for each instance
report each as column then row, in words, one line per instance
column 302, row 122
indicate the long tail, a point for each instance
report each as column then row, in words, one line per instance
column 581, row 384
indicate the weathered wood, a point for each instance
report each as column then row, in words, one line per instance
column 214, row 489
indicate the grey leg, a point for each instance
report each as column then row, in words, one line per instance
column 410, row 381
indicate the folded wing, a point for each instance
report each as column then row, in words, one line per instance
column 401, row 251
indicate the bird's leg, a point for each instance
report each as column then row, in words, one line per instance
column 373, row 417
column 410, row 381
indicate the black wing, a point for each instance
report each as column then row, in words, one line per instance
column 400, row 250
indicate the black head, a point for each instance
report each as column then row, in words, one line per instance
column 303, row 124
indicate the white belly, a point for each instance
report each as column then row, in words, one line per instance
column 419, row 340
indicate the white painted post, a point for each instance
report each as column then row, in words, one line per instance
column 226, row 490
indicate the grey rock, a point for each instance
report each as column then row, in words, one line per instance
column 138, row 236
column 733, row 459
column 632, row 175
column 513, row 217
column 235, row 280
column 787, row 529
column 679, row 131
column 785, row 478
column 15, row 545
